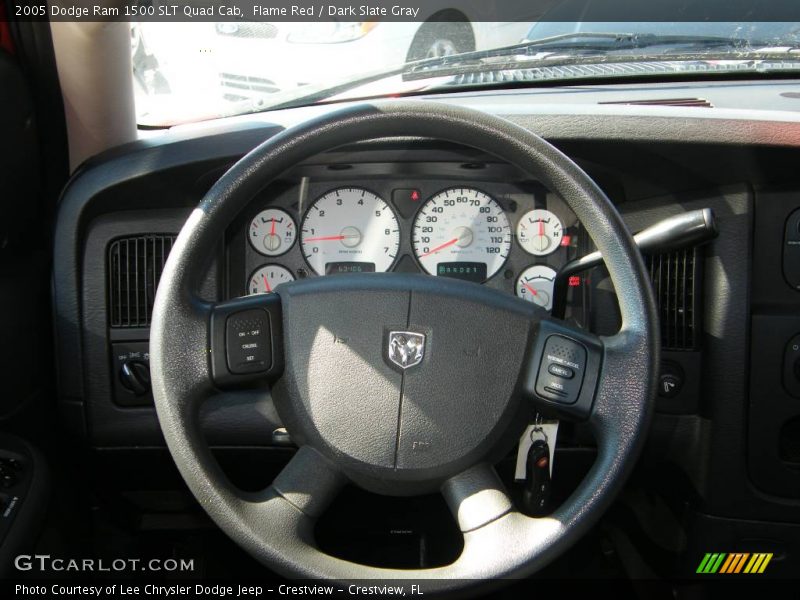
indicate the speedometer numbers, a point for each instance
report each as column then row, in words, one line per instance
column 539, row 232
column 462, row 233
column 350, row 230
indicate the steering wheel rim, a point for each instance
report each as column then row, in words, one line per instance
column 276, row 525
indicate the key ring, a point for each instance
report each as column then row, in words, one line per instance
column 539, row 429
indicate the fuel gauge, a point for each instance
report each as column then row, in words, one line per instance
column 265, row 279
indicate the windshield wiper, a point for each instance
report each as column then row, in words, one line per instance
column 582, row 42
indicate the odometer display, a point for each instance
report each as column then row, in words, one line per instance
column 462, row 225
column 462, row 270
column 344, row 268
column 350, row 225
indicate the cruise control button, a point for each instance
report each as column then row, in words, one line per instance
column 560, row 371
column 249, row 343
column 553, row 390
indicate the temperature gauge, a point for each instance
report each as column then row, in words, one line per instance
column 267, row 278
column 272, row 232
column 539, row 232
column 535, row 284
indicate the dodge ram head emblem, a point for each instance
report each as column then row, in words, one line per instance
column 406, row 348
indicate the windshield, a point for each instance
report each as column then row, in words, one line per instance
column 184, row 72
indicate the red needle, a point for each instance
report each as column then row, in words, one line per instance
column 442, row 247
column 541, row 228
column 533, row 291
column 327, row 238
column 266, row 283
column 272, row 229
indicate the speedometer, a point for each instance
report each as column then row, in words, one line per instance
column 462, row 233
column 350, row 230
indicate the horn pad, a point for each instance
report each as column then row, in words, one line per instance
column 401, row 380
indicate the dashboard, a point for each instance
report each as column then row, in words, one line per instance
column 726, row 437
column 483, row 223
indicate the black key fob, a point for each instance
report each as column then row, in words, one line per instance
column 537, row 485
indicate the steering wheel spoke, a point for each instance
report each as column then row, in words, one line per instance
column 246, row 340
column 309, row 482
column 290, row 506
column 476, row 497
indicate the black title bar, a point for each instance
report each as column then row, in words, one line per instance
column 407, row 10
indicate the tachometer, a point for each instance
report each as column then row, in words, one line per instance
column 462, row 233
column 350, row 230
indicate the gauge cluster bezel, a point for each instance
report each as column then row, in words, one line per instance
column 516, row 193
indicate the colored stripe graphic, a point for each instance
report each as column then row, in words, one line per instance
column 703, row 563
column 711, row 562
column 728, row 562
column 738, row 562
column 753, row 564
column 758, row 563
column 767, row 558
column 735, row 562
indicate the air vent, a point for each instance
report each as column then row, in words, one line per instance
column 613, row 70
column 699, row 102
column 134, row 269
column 676, row 282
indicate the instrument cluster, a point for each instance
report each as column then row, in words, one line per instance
column 513, row 236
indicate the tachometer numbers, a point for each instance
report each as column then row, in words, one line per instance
column 349, row 225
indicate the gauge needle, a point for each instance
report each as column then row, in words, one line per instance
column 532, row 290
column 441, row 247
column 541, row 228
column 272, row 229
column 266, row 283
column 329, row 238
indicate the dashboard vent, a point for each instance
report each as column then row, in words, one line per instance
column 134, row 269
column 699, row 102
column 616, row 69
column 676, row 283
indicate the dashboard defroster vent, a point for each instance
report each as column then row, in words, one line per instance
column 699, row 102
column 676, row 282
column 134, row 270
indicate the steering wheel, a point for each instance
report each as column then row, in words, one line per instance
column 402, row 384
